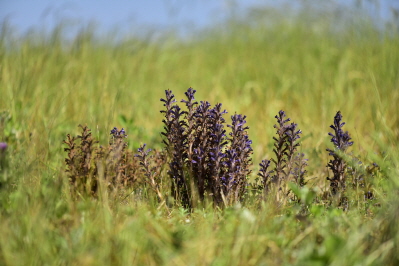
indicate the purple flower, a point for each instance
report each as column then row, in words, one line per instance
column 285, row 163
column 3, row 146
column 264, row 173
column 190, row 96
column 341, row 141
column 237, row 159
column 202, row 153
column 118, row 134
column 3, row 149
column 285, row 146
column 175, row 128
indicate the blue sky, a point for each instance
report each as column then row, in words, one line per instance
column 124, row 15
column 120, row 14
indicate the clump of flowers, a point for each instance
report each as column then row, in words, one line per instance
column 87, row 162
column 208, row 158
column 203, row 159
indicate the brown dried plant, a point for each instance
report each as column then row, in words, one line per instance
column 87, row 163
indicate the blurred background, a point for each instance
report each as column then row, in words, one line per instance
column 120, row 18
column 107, row 63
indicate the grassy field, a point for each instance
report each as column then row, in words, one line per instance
column 49, row 87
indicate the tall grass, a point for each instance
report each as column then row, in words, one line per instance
column 48, row 87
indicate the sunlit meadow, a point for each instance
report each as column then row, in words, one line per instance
column 308, row 68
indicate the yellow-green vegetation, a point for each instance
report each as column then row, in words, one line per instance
column 49, row 86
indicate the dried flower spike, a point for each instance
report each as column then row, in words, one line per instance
column 265, row 175
column 149, row 171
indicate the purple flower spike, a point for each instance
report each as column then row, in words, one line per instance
column 338, row 165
